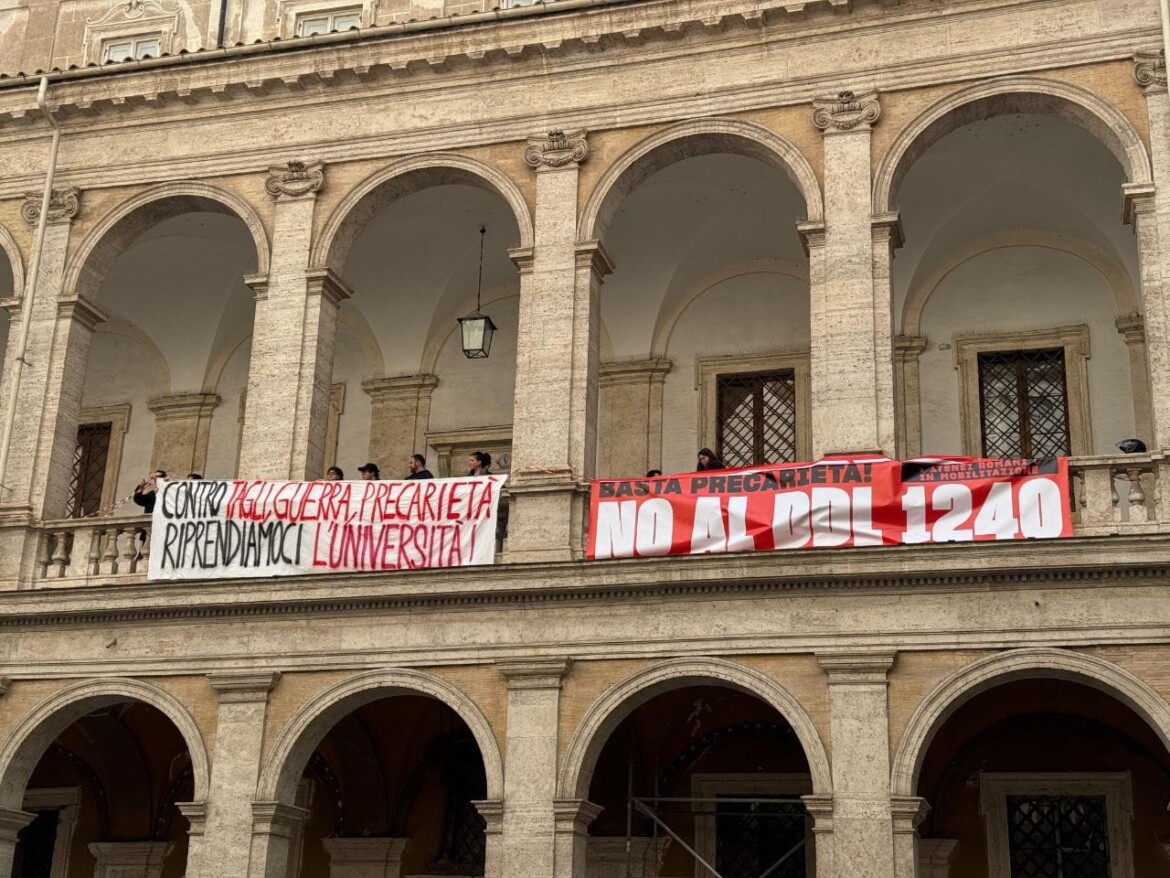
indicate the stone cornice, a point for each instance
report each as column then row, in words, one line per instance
column 326, row 282
column 847, row 111
column 400, row 386
column 618, row 372
column 856, row 666
column 1132, row 327
column 908, row 812
column 64, row 206
column 80, row 310
column 180, row 406
column 247, row 688
column 1137, row 201
column 295, row 179
column 535, row 673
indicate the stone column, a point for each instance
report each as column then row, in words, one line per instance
column 129, row 859
column 572, row 819
column 1133, row 329
column 291, row 372
column 820, row 809
column 1150, row 215
column 196, row 814
column 364, row 857
column 182, row 428
column 40, row 458
column 399, row 415
column 554, row 433
column 934, row 857
column 629, row 435
column 530, row 779
column 850, row 355
column 275, row 827
column 492, row 812
column 908, row 394
column 859, row 730
column 906, row 813
column 11, row 822
column 235, row 769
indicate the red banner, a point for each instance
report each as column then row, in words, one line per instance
column 833, row 502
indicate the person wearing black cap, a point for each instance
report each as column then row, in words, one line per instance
column 370, row 472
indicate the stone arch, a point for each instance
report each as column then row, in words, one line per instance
column 1018, row 664
column 121, row 225
column 1114, row 273
column 405, row 177
column 27, row 742
column 620, row 700
column 670, row 316
column 10, row 249
column 303, row 732
column 682, row 141
column 1012, row 94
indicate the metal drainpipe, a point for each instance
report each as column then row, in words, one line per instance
column 26, row 305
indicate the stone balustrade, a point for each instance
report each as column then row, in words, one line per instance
column 1117, row 494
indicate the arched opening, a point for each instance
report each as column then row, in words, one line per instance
column 393, row 781
column 408, row 245
column 1044, row 776
column 166, row 372
column 104, row 789
column 705, row 766
column 706, row 315
column 1015, row 293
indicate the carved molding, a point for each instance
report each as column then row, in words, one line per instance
column 295, row 179
column 64, row 205
column 1149, row 70
column 1132, row 328
column 847, row 111
column 535, row 673
column 130, row 19
column 181, row 406
column 557, row 149
column 243, row 688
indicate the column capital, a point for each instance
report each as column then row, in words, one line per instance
column 196, row 814
column 492, row 812
column 651, row 370
column 295, row 179
column 129, row 857
column 181, row 406
column 847, row 111
column 64, row 206
column 522, row 258
column 812, row 235
column 258, row 284
column 85, row 313
column 820, row 807
column 1149, row 71
column 557, row 149
column 243, row 688
column 1132, row 328
column 908, row 348
column 1137, row 202
column 593, row 255
column 368, row 851
column 327, row 283
column 12, row 821
column 856, row 667
column 574, row 815
column 535, row 673
column 400, row 386
column 276, row 818
column 908, row 812
column 887, row 228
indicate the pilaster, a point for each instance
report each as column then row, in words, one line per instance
column 850, row 354
column 906, row 813
column 530, row 821
column 129, row 859
column 1148, row 209
column 400, row 410
column 908, row 394
column 552, row 455
column 11, row 822
column 365, row 857
column 274, row 828
column 235, row 768
column 572, row 818
column 820, row 809
column 492, row 812
column 859, row 730
column 1133, row 329
column 290, row 377
column 182, row 430
column 629, row 435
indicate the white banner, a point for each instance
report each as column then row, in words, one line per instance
column 206, row 529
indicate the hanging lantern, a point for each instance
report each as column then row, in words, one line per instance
column 477, row 328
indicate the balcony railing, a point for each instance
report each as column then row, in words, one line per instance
column 1123, row 494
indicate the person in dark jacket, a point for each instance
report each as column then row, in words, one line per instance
column 480, row 464
column 418, row 468
column 708, row 460
column 147, row 491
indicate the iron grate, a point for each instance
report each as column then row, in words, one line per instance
column 757, row 418
column 1023, row 400
column 1058, row 837
column 89, row 470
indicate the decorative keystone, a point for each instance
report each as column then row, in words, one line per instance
column 557, row 149
column 64, row 205
column 848, row 110
column 1149, row 69
column 295, row 179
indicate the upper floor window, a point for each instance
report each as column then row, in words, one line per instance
column 325, row 22
column 136, row 48
column 87, row 482
column 757, row 418
column 1023, row 403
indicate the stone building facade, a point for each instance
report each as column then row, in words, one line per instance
column 260, row 224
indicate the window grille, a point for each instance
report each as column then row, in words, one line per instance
column 1058, row 836
column 89, row 470
column 757, row 418
column 1023, row 401
column 750, row 838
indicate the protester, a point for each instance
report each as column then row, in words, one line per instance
column 418, row 468
column 334, row 474
column 653, row 473
column 708, row 460
column 194, row 476
column 370, row 472
column 480, row 463
column 146, row 492
column 1131, row 446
